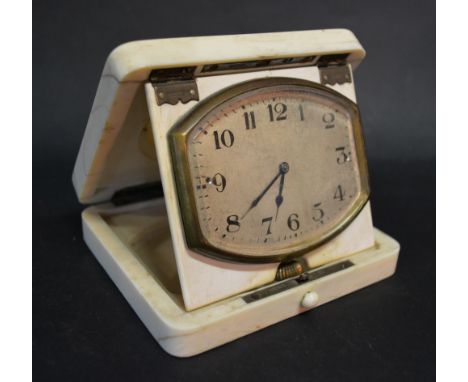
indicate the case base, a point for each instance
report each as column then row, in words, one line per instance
column 135, row 250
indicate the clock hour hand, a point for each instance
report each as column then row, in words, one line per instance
column 279, row 198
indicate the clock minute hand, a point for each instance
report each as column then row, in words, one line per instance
column 262, row 194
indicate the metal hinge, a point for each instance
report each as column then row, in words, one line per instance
column 334, row 69
column 174, row 85
column 335, row 74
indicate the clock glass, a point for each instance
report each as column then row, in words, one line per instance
column 269, row 169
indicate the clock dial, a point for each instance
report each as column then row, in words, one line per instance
column 269, row 169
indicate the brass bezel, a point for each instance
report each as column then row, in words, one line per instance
column 177, row 138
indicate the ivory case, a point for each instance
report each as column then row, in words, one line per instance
column 189, row 302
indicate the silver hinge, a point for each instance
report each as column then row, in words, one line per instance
column 335, row 74
column 174, row 85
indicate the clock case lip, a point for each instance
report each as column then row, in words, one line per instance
column 178, row 136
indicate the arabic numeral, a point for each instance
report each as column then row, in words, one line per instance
column 301, row 112
column 249, row 119
column 268, row 220
column 293, row 222
column 233, row 224
column 219, row 181
column 226, row 139
column 318, row 213
column 277, row 112
column 343, row 156
column 339, row 193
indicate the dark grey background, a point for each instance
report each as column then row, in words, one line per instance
column 82, row 327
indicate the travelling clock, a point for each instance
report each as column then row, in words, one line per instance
column 228, row 181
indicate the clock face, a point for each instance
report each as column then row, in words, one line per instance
column 269, row 169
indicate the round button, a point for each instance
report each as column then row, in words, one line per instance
column 309, row 300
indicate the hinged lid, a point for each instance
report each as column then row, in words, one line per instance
column 117, row 151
